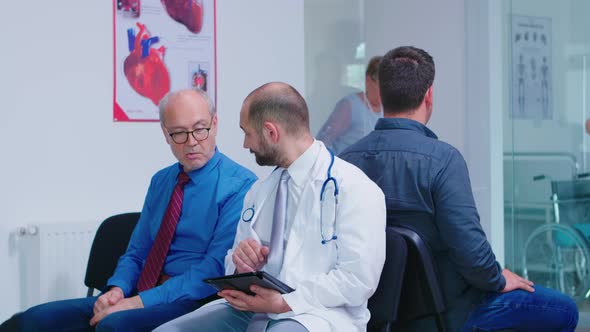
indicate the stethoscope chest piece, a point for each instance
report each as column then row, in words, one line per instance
column 248, row 214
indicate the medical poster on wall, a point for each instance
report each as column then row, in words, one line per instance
column 161, row 46
column 532, row 90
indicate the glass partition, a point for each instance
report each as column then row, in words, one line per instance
column 546, row 184
column 342, row 108
column 545, row 133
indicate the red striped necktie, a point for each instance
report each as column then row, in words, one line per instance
column 157, row 256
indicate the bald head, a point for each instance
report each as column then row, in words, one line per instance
column 193, row 96
column 277, row 102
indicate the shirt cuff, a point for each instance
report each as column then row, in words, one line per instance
column 151, row 297
column 121, row 284
column 502, row 281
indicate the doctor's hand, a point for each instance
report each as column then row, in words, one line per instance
column 110, row 298
column 265, row 300
column 249, row 256
column 134, row 302
column 514, row 281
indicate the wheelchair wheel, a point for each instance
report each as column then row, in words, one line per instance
column 557, row 256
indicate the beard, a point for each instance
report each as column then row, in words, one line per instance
column 267, row 156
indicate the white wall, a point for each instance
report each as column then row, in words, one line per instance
column 485, row 95
column 439, row 28
column 63, row 158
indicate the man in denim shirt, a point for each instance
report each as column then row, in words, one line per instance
column 427, row 189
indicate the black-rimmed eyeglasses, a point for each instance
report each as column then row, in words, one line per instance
column 199, row 134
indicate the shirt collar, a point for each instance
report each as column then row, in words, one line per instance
column 197, row 173
column 301, row 167
column 404, row 124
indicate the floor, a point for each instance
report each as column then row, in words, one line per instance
column 584, row 321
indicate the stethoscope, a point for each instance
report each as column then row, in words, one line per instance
column 329, row 178
column 248, row 213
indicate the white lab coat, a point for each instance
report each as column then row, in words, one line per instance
column 332, row 281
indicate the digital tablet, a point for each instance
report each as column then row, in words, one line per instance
column 242, row 282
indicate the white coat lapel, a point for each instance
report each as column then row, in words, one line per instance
column 267, row 187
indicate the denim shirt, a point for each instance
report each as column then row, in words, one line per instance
column 427, row 188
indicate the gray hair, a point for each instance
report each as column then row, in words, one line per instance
column 164, row 102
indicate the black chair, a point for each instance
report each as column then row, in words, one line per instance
column 384, row 304
column 421, row 294
column 110, row 242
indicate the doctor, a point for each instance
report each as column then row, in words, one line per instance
column 331, row 251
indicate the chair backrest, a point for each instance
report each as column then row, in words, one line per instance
column 384, row 304
column 110, row 242
column 421, row 292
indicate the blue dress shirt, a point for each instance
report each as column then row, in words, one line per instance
column 206, row 230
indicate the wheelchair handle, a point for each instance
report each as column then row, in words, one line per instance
column 542, row 177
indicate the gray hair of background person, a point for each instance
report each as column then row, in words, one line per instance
column 287, row 108
column 373, row 68
column 405, row 74
column 164, row 102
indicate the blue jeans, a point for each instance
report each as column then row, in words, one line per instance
column 543, row 310
column 75, row 315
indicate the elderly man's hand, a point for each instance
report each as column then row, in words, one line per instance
column 125, row 304
column 249, row 256
column 265, row 300
column 110, row 298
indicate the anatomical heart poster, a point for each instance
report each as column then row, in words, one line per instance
column 161, row 46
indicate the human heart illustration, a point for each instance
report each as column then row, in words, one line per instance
column 144, row 67
column 187, row 12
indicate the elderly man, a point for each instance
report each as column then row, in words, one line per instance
column 187, row 224
column 316, row 223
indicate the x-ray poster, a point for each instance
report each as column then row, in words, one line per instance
column 161, row 46
column 532, row 88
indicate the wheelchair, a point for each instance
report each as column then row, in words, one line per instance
column 557, row 254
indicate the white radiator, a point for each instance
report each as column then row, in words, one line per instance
column 53, row 260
